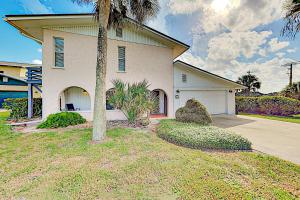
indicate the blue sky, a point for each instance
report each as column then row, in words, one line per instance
column 227, row 37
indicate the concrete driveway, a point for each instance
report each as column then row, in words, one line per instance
column 281, row 139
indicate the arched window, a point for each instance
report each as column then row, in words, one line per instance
column 109, row 94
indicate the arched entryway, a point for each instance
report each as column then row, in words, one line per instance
column 74, row 99
column 161, row 108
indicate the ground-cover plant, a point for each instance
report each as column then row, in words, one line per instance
column 193, row 111
column 19, row 107
column 268, row 105
column 135, row 100
column 130, row 164
column 201, row 137
column 62, row 119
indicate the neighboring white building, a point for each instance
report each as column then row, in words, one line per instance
column 134, row 54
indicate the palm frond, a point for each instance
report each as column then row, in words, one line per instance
column 291, row 18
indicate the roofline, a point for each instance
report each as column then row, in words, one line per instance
column 201, row 70
column 12, row 77
column 17, row 64
column 88, row 15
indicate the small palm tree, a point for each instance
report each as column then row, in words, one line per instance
column 112, row 13
column 292, row 18
column 250, row 81
column 135, row 100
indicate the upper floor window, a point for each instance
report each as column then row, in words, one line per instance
column 119, row 32
column 1, row 72
column 59, row 52
column 184, row 78
column 121, row 56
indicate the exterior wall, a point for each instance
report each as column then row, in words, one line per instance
column 197, row 81
column 17, row 72
column 152, row 63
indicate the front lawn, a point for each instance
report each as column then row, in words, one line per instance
column 292, row 119
column 133, row 164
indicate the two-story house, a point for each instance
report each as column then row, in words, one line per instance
column 135, row 53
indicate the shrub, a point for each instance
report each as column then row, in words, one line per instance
column 19, row 107
column 193, row 111
column 268, row 105
column 62, row 119
column 201, row 137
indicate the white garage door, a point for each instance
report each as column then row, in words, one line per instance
column 214, row 101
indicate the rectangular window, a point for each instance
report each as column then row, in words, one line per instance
column 119, row 32
column 5, row 80
column 59, row 52
column 183, row 77
column 121, row 52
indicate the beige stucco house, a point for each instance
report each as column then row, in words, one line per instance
column 135, row 53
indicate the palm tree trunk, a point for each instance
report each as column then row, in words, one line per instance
column 99, row 119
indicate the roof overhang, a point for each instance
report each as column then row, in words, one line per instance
column 226, row 81
column 16, row 64
column 32, row 27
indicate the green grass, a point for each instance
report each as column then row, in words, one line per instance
column 201, row 136
column 292, row 119
column 132, row 164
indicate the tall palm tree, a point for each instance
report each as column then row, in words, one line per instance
column 112, row 13
column 250, row 81
column 292, row 18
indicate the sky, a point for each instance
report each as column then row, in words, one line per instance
column 227, row 37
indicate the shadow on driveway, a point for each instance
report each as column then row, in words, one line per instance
column 222, row 121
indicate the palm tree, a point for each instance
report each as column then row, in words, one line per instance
column 250, row 81
column 112, row 13
column 292, row 18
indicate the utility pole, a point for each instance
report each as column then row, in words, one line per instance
column 291, row 74
column 290, row 65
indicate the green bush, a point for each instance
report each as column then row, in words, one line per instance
column 193, row 111
column 63, row 119
column 19, row 107
column 200, row 137
column 268, row 105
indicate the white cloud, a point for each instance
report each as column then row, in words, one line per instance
column 40, row 50
column 35, row 7
column 292, row 50
column 229, row 46
column 188, row 57
column 276, row 45
column 37, row 62
column 280, row 54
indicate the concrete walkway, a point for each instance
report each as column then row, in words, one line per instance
column 281, row 139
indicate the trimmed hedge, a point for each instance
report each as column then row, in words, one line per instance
column 201, row 137
column 19, row 107
column 268, row 105
column 193, row 111
column 63, row 119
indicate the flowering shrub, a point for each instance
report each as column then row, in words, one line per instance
column 201, row 137
column 268, row 105
column 18, row 107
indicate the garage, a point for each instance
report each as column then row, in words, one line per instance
column 214, row 101
column 216, row 93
